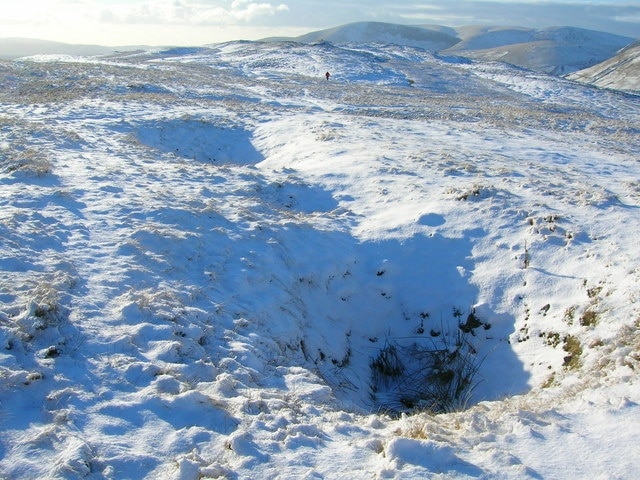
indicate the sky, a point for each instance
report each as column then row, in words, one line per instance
column 199, row 22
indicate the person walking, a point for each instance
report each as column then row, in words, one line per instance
column 327, row 75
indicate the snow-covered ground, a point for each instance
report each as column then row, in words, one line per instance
column 216, row 264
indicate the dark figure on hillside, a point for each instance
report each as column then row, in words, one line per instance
column 327, row 75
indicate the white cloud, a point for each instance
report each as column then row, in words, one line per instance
column 615, row 16
column 27, row 11
column 629, row 18
column 183, row 12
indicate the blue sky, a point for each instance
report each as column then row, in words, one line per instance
column 197, row 22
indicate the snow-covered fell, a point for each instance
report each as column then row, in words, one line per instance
column 556, row 50
column 379, row 32
column 621, row 72
column 214, row 263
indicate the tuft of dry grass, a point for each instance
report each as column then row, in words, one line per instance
column 589, row 318
column 29, row 161
column 574, row 350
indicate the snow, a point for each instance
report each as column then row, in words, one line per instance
column 207, row 255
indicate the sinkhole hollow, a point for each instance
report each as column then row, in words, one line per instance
column 395, row 325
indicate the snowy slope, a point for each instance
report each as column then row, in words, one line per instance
column 214, row 263
column 621, row 72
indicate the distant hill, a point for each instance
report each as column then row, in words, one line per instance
column 557, row 50
column 621, row 72
column 377, row 32
column 12, row 48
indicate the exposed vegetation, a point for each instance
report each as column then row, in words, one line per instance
column 572, row 346
column 435, row 375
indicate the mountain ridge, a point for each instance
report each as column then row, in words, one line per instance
column 555, row 50
column 17, row 47
column 364, row 32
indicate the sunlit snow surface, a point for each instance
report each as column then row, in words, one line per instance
column 203, row 250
